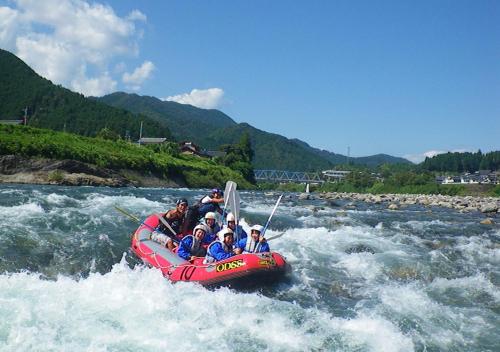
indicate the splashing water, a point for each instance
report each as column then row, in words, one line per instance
column 362, row 280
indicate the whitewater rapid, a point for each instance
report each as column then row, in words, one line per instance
column 368, row 279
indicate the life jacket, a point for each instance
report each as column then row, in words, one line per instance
column 252, row 246
column 196, row 247
column 209, row 258
column 238, row 233
column 204, row 208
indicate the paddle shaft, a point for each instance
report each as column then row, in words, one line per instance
column 137, row 220
column 271, row 216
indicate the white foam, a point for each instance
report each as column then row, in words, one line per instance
column 139, row 310
column 57, row 199
column 21, row 212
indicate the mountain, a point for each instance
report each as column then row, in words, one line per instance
column 54, row 107
column 379, row 159
column 185, row 121
column 211, row 128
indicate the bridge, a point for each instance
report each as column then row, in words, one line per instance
column 288, row 176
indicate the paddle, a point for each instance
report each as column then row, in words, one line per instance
column 137, row 220
column 236, row 211
column 270, row 216
column 228, row 191
column 275, row 236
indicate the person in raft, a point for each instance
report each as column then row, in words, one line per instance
column 213, row 227
column 211, row 203
column 191, row 246
column 238, row 231
column 208, row 204
column 175, row 218
column 222, row 248
column 256, row 243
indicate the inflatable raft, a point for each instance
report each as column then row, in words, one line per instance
column 245, row 269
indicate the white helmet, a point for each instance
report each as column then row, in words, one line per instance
column 257, row 228
column 202, row 227
column 230, row 217
column 210, row 215
column 224, row 232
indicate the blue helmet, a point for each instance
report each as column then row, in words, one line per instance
column 217, row 190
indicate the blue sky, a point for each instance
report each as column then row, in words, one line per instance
column 406, row 78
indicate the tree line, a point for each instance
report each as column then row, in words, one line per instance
column 462, row 162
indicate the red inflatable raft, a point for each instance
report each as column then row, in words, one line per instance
column 246, row 269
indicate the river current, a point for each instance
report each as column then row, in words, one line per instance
column 362, row 279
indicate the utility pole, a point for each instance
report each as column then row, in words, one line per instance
column 348, row 154
column 140, row 133
column 25, row 117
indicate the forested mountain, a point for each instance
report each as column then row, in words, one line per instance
column 463, row 162
column 54, row 107
column 211, row 128
column 186, row 122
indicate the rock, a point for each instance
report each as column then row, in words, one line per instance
column 393, row 206
column 304, row 196
column 487, row 221
column 360, row 248
column 489, row 208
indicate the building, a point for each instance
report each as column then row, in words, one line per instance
column 145, row 140
column 189, row 148
column 334, row 175
column 478, row 177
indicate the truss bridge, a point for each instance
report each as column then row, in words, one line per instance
column 288, row 176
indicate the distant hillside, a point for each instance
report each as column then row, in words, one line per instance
column 272, row 151
column 462, row 162
column 51, row 106
column 379, row 159
column 184, row 121
column 211, row 128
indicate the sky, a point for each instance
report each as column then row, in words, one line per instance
column 405, row 78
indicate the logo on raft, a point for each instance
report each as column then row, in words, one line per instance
column 230, row 265
column 267, row 262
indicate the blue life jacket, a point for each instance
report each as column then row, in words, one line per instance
column 239, row 233
column 187, row 248
column 218, row 251
column 250, row 246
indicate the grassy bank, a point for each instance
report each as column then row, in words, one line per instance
column 115, row 155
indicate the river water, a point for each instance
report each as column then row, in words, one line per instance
column 363, row 279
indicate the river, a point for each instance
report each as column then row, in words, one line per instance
column 363, row 279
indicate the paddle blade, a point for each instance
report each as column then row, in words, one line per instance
column 230, row 188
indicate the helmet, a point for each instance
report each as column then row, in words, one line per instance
column 230, row 217
column 217, row 190
column 210, row 215
column 224, row 232
column 200, row 227
column 181, row 201
column 257, row 228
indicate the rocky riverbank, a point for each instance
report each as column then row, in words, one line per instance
column 487, row 205
column 17, row 169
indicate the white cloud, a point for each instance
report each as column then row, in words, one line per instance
column 203, row 98
column 140, row 74
column 9, row 22
column 137, row 15
column 95, row 86
column 418, row 158
column 71, row 42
